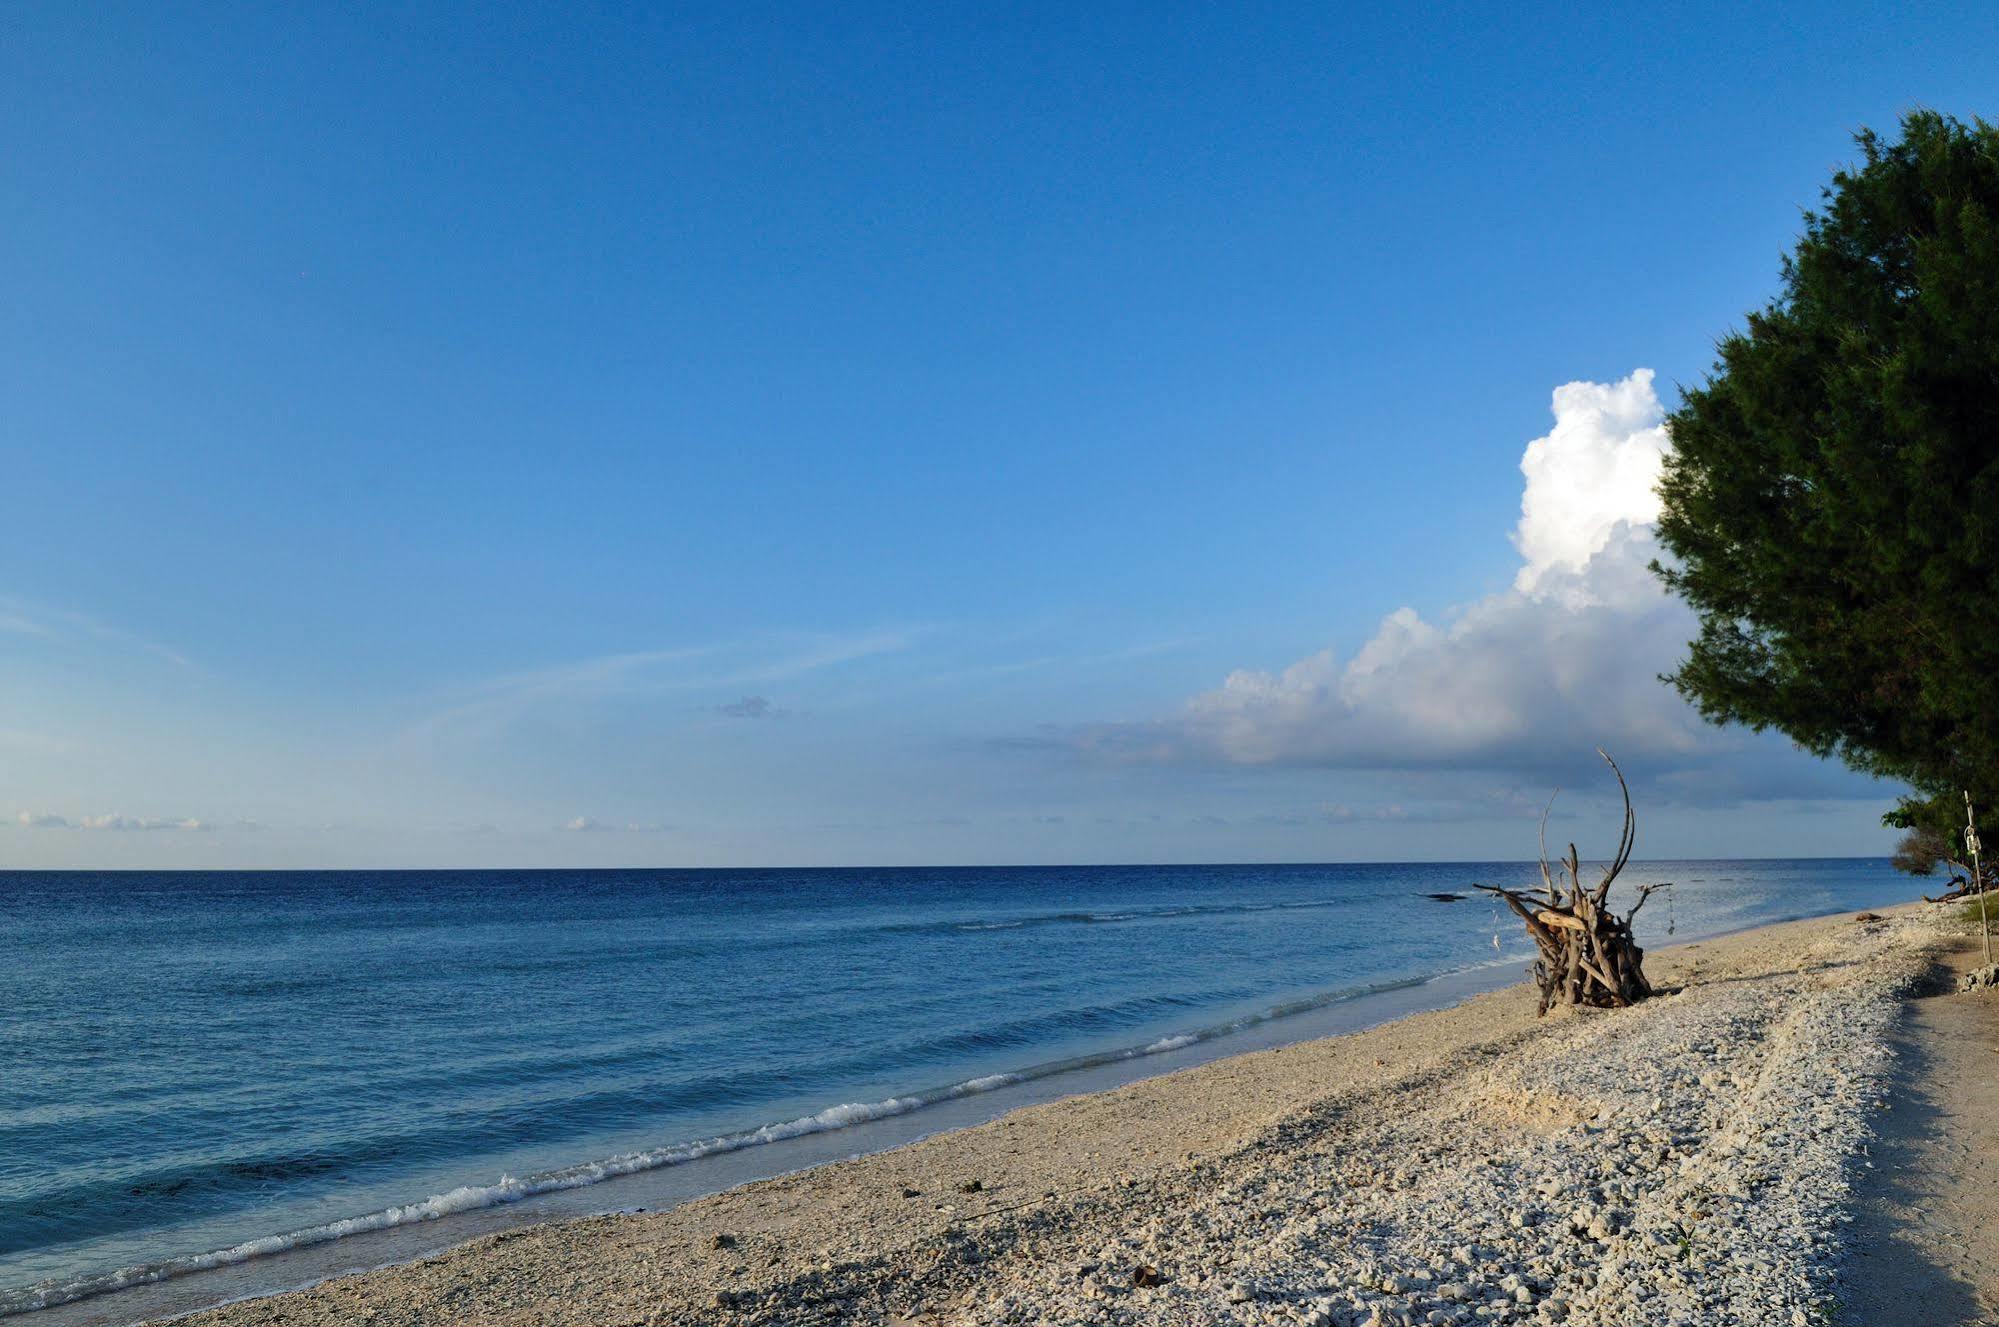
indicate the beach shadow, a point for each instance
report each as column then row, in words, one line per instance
column 1898, row 1272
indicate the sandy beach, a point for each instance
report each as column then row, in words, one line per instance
column 1714, row 1155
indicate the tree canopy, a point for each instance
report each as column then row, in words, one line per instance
column 1831, row 502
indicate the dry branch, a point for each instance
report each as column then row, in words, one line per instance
column 1587, row 953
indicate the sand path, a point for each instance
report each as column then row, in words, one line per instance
column 1925, row 1242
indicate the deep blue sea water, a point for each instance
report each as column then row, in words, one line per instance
column 199, row 1067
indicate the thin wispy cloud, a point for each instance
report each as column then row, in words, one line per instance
column 19, row 617
column 33, row 743
column 1508, row 804
column 976, row 673
column 15, row 622
column 750, row 707
column 606, row 671
column 492, row 704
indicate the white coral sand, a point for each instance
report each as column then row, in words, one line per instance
column 1686, row 1161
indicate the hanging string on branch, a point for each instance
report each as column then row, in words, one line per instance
column 1587, row 955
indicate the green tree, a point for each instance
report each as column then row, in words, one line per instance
column 1832, row 498
column 1923, row 850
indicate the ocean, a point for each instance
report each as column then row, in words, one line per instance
column 200, row 1069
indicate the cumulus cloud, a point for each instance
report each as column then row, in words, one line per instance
column 1569, row 656
column 112, row 821
column 592, row 825
column 118, row 822
column 1566, row 659
column 1597, row 469
column 1575, row 662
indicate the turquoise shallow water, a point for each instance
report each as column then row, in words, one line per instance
column 205, row 1067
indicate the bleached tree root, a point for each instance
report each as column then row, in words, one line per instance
column 1587, row 953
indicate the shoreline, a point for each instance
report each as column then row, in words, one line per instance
column 231, row 1276
column 1478, row 1007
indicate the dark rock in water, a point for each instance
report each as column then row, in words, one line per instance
column 1448, row 898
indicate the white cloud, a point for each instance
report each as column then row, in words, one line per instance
column 1568, row 657
column 118, row 822
column 1597, row 468
column 1524, row 680
column 17, row 623
column 1339, row 812
column 498, row 702
column 20, row 618
column 592, row 825
column 1574, row 663
column 46, row 820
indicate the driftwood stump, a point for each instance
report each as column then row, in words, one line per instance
column 1588, row 955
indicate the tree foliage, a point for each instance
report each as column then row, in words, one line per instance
column 1831, row 502
column 1921, row 851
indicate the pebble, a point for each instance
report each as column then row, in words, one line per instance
column 1682, row 1163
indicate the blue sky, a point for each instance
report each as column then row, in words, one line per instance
column 872, row 435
